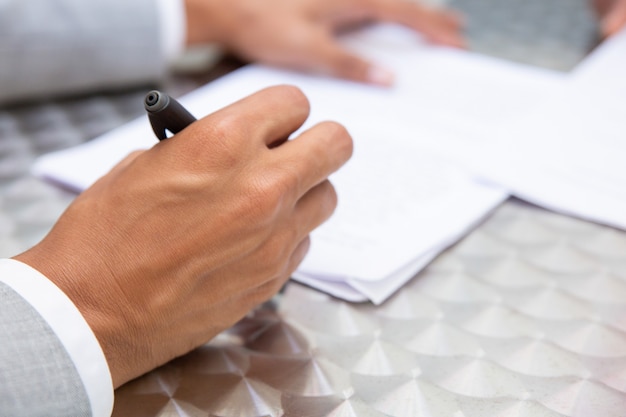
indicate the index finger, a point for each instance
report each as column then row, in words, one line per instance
column 440, row 26
column 314, row 155
column 267, row 116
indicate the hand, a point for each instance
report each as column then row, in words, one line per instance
column 179, row 242
column 612, row 14
column 299, row 34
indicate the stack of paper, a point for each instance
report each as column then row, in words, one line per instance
column 605, row 66
column 567, row 153
column 400, row 203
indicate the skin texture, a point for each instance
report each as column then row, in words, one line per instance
column 179, row 242
column 300, row 34
column 612, row 14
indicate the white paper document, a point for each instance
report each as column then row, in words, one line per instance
column 568, row 155
column 606, row 65
column 400, row 202
column 566, row 150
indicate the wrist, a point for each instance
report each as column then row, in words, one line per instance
column 70, row 278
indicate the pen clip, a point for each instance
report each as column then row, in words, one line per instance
column 158, row 127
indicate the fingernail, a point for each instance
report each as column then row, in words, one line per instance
column 614, row 21
column 461, row 43
column 380, row 76
column 610, row 25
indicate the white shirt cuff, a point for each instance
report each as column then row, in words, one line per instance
column 69, row 326
column 173, row 24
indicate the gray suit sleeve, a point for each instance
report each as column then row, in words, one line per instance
column 52, row 47
column 37, row 377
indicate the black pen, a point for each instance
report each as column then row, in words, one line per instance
column 165, row 113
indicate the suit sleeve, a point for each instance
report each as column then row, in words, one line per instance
column 50, row 361
column 60, row 47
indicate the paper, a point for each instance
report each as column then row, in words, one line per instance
column 395, row 201
column 568, row 155
column 356, row 290
column 605, row 66
column 400, row 203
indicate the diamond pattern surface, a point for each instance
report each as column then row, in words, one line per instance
column 525, row 317
column 553, row 34
column 547, row 341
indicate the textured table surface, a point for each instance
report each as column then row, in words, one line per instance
column 525, row 317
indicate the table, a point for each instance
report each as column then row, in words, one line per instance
column 526, row 316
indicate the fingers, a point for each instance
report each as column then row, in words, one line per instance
column 314, row 155
column 296, row 258
column 314, row 208
column 298, row 255
column 271, row 114
column 615, row 19
column 291, row 264
column 266, row 289
column 438, row 26
column 602, row 7
column 327, row 56
column 330, row 58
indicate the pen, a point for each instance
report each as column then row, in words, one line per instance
column 165, row 113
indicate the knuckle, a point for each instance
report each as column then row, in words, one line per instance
column 214, row 143
column 223, row 125
column 223, row 136
column 349, row 66
column 273, row 256
column 260, row 201
column 269, row 190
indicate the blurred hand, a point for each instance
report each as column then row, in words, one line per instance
column 612, row 14
column 300, row 34
column 179, row 242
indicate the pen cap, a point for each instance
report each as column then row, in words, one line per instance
column 165, row 113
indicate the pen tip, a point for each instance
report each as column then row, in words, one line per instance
column 152, row 98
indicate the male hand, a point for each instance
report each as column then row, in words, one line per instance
column 300, row 34
column 179, row 242
column 612, row 14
